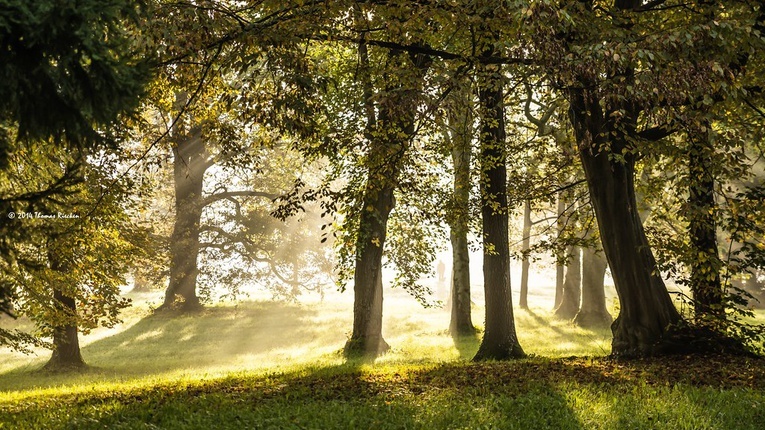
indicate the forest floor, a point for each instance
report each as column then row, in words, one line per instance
column 264, row 364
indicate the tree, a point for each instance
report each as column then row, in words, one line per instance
column 560, row 269
column 68, row 73
column 227, row 97
column 67, row 272
column 500, row 341
column 191, row 160
column 593, row 311
column 706, row 283
column 618, row 100
column 66, row 342
column 571, row 298
column 571, row 291
column 459, row 136
column 389, row 133
column 559, row 170
column 68, row 70
column 525, row 249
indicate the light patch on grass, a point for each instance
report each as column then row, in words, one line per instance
column 276, row 335
column 149, row 335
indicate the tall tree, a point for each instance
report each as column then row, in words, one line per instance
column 68, row 73
column 706, row 285
column 560, row 268
column 460, row 136
column 390, row 126
column 68, row 271
column 66, row 342
column 500, row 341
column 190, row 162
column 621, row 101
column 605, row 132
column 227, row 96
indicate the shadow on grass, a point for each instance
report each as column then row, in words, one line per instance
column 489, row 395
column 530, row 393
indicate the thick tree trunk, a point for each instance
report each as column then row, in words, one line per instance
column 594, row 312
column 189, row 166
column 525, row 247
column 706, row 285
column 66, row 344
column 500, row 341
column 572, row 291
column 559, row 268
column 366, row 339
column 460, row 136
column 646, row 310
column 389, row 134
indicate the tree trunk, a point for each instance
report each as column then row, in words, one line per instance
column 705, row 261
column 460, row 135
column 189, row 166
column 389, row 136
column 559, row 268
column 500, row 341
column 525, row 247
column 572, row 291
column 646, row 310
column 593, row 313
column 366, row 339
column 66, row 344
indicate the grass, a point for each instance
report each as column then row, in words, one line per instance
column 277, row 365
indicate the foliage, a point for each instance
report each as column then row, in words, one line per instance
column 68, row 69
column 256, row 78
column 78, row 241
column 249, row 95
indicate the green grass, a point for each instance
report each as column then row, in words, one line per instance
column 277, row 365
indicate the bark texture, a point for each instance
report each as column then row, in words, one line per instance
column 646, row 310
column 500, row 341
column 66, row 343
column 706, row 285
column 389, row 135
column 460, row 132
column 190, row 161
column 560, row 269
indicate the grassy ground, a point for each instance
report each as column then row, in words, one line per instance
column 277, row 365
